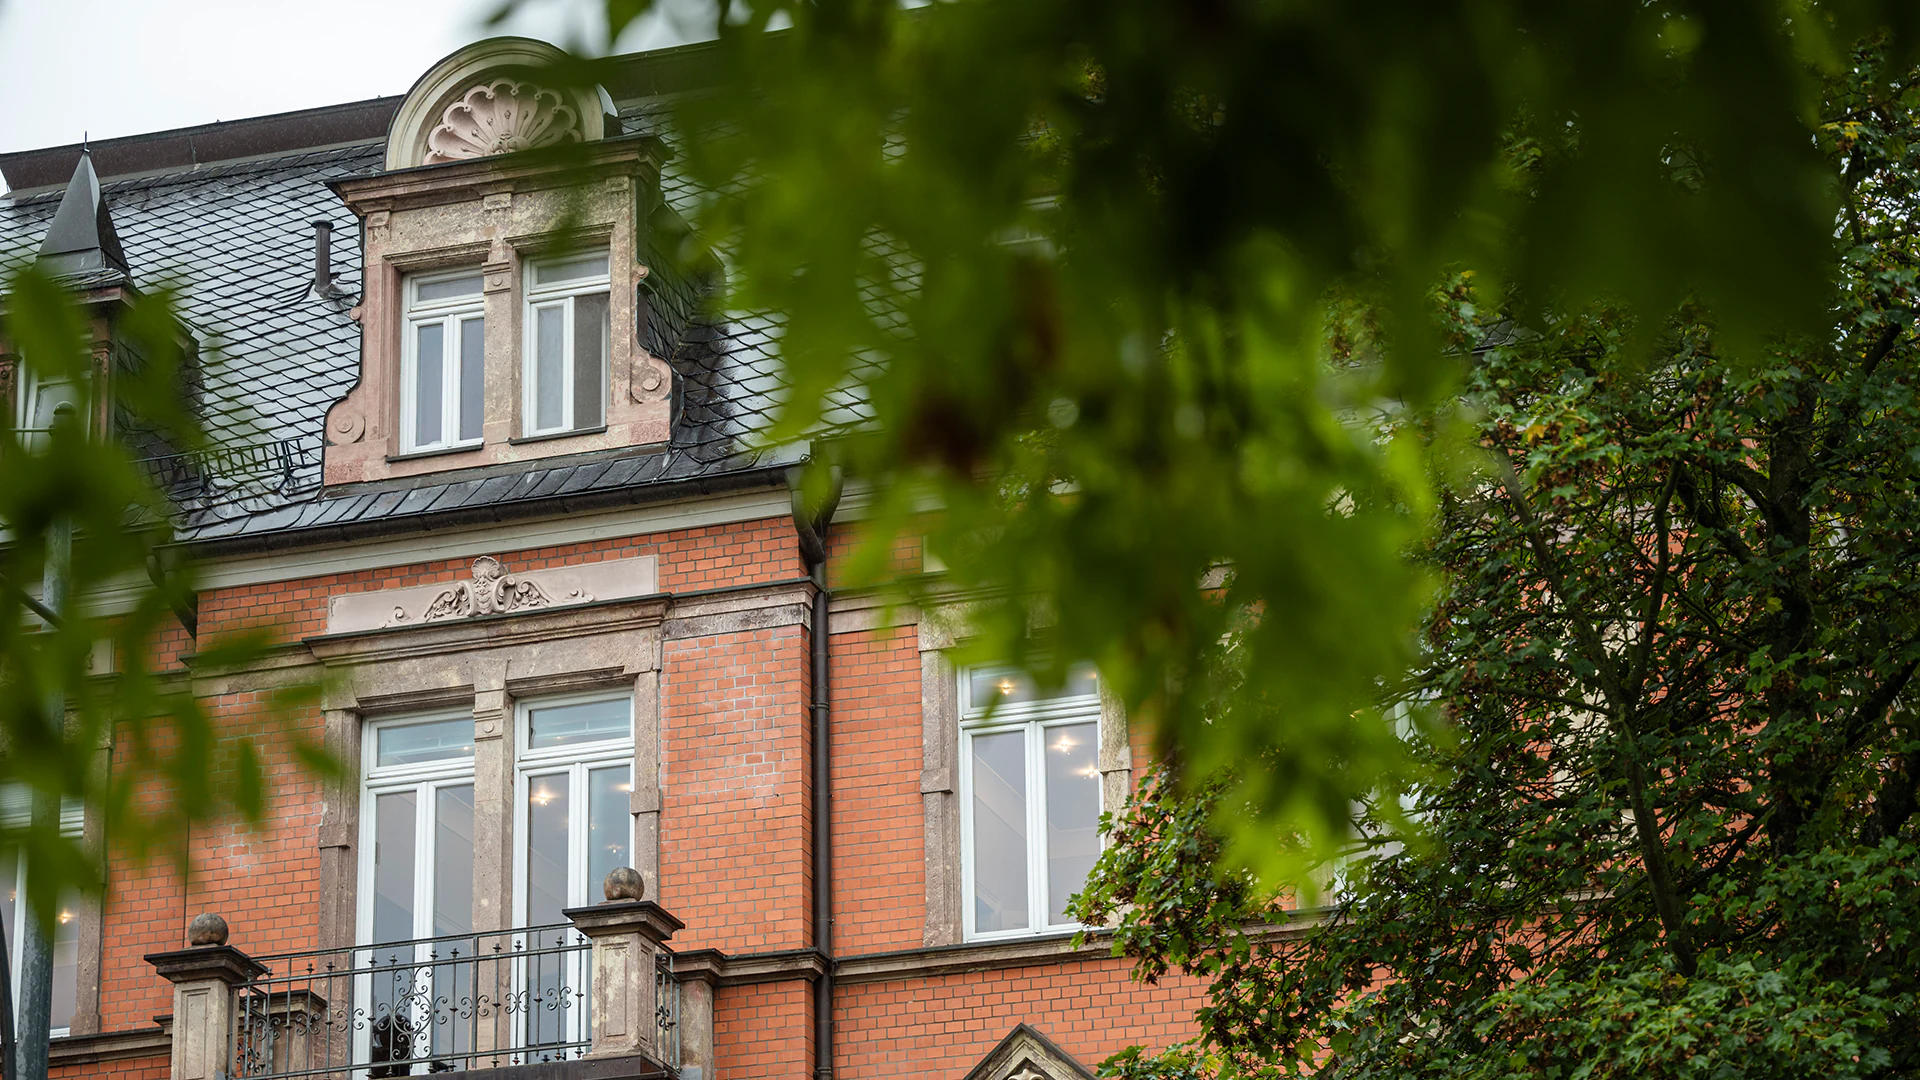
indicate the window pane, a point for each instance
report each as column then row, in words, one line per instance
column 453, row 985
column 66, row 963
column 999, row 831
column 547, row 862
column 393, row 859
column 473, row 376
column 1073, row 812
column 591, row 721
column 447, row 289
column 589, row 358
column 609, row 824
column 548, row 872
column 49, row 395
column 987, row 688
column 578, row 268
column 549, row 367
column 10, row 899
column 428, row 376
column 435, row 740
column 453, row 860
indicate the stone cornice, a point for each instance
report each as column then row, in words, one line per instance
column 469, row 181
column 222, row 962
column 77, row 1050
column 715, row 966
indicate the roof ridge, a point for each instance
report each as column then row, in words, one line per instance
column 211, row 172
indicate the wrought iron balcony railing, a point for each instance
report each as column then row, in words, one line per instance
column 432, row 1005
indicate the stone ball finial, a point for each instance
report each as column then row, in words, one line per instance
column 207, row 929
column 624, row 883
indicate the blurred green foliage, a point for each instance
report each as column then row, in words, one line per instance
column 1676, row 833
column 1091, row 270
column 171, row 767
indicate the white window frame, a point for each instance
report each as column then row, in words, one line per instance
column 560, row 295
column 451, row 313
column 17, row 815
column 573, row 761
column 1036, row 719
column 31, row 384
column 425, row 779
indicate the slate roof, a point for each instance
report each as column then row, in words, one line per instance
column 236, row 240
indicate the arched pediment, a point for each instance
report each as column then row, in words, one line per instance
column 494, row 97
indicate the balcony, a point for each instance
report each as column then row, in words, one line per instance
column 435, row 1005
column 595, row 996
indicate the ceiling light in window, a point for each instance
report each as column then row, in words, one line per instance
column 1006, row 687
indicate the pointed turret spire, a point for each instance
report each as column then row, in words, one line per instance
column 81, row 237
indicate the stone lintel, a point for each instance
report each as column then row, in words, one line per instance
column 222, row 962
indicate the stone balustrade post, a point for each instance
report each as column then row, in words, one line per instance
column 204, row 975
column 697, row 974
column 627, row 933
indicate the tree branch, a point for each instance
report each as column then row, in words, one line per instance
column 1653, row 850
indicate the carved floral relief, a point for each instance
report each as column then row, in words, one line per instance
column 492, row 591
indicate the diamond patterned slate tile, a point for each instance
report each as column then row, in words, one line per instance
column 236, row 240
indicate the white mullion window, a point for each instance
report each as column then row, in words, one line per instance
column 16, row 808
column 443, row 362
column 416, row 870
column 1030, row 800
column 573, row 822
column 567, row 344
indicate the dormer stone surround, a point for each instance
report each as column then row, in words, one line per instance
column 458, row 195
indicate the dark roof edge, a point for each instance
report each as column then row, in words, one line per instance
column 186, row 148
column 635, row 76
column 282, row 540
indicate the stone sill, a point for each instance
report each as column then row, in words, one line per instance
column 438, row 451
column 570, row 433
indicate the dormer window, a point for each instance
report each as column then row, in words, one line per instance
column 443, row 362
column 567, row 344
column 549, row 291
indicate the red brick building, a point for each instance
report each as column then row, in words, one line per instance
column 503, row 485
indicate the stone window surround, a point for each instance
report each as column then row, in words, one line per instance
column 494, row 214
column 939, row 632
column 504, row 285
column 485, row 664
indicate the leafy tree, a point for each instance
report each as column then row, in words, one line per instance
column 1020, row 247
column 1672, row 830
column 172, row 768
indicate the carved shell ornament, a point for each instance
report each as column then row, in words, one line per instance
column 501, row 117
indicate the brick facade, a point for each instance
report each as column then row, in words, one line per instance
column 735, row 834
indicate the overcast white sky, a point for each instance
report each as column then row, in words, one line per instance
column 123, row 67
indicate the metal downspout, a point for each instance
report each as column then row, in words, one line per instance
column 810, row 523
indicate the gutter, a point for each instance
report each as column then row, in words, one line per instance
column 283, row 540
column 810, row 523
